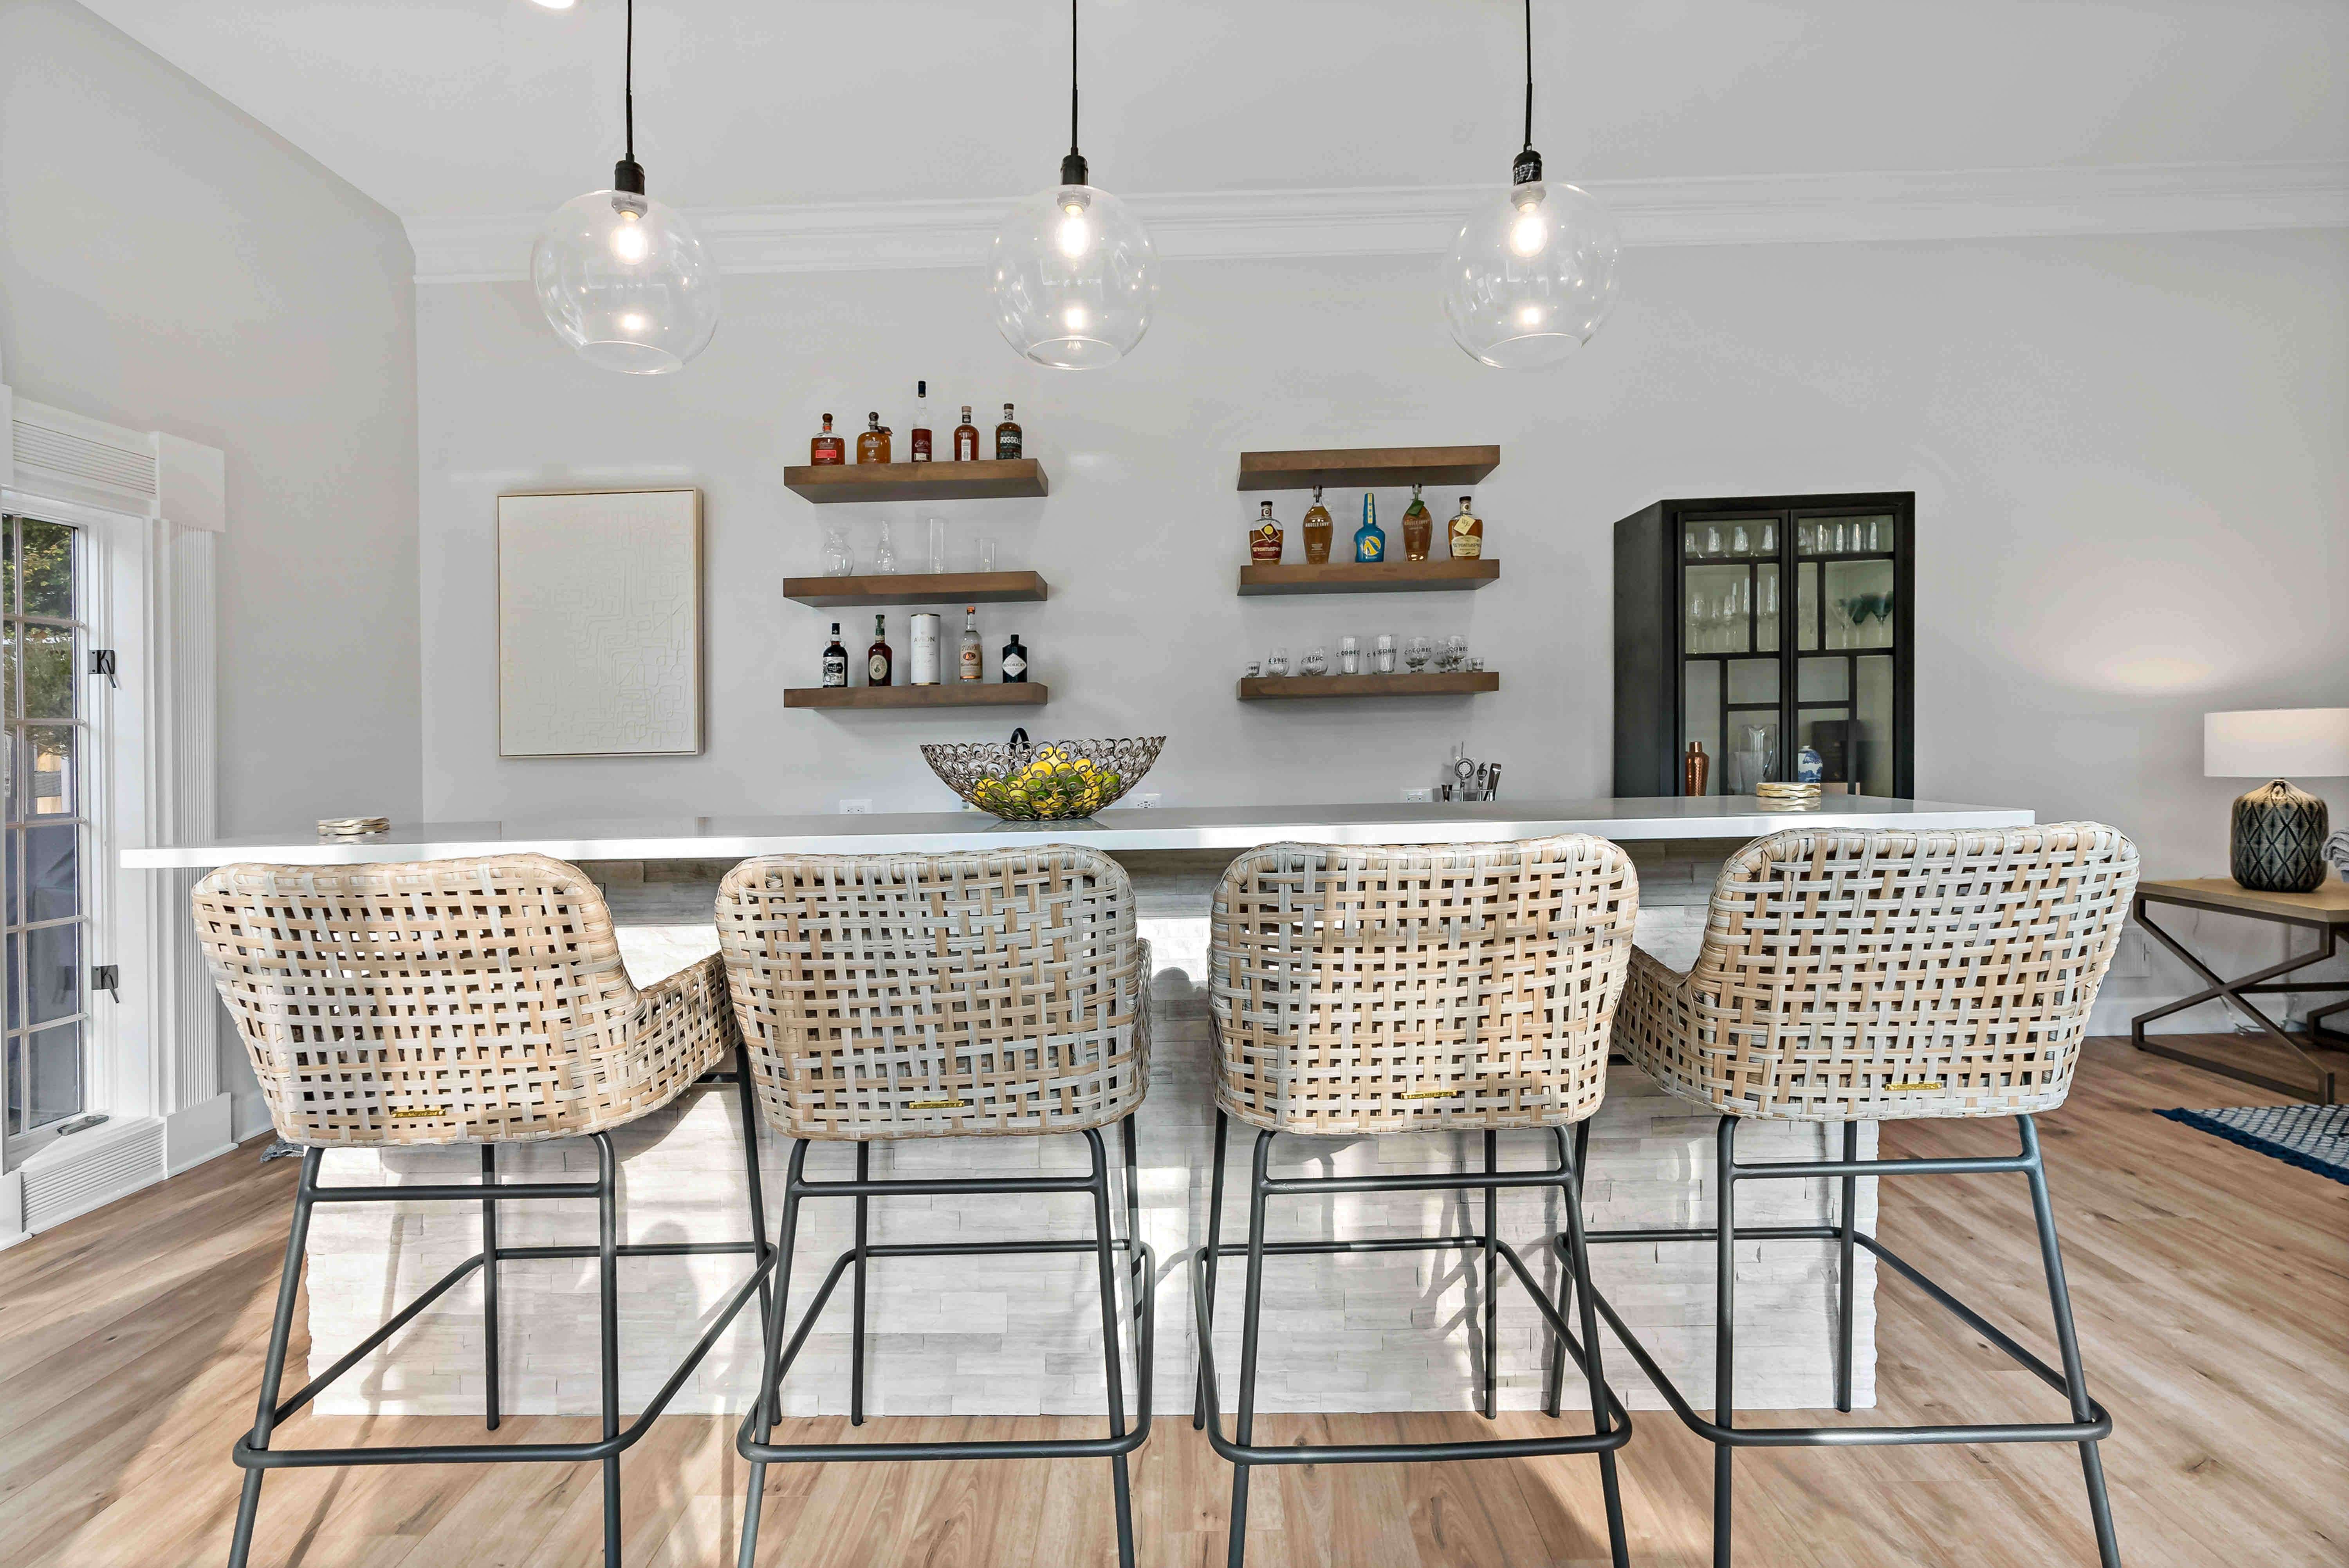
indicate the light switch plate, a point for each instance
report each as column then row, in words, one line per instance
column 1147, row 802
column 1418, row 797
column 855, row 809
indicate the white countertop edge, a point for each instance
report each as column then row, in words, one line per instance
column 1233, row 828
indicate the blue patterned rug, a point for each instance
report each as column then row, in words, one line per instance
column 2314, row 1137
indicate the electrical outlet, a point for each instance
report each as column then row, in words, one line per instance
column 1147, row 802
column 855, row 809
column 1420, row 796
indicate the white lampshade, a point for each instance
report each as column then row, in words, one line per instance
column 2276, row 743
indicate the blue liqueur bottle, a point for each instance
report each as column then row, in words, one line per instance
column 1370, row 544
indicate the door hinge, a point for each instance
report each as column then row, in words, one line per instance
column 107, row 978
column 101, row 662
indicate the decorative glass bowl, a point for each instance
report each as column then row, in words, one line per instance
column 1057, row 781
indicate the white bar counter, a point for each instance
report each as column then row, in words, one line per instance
column 1020, row 1336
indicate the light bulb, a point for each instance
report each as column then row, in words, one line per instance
column 629, row 242
column 1076, row 236
column 1528, row 234
column 1073, row 278
column 1532, row 274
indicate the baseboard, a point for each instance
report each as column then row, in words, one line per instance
column 197, row 1134
column 71, row 1176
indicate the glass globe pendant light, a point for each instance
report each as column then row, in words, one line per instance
column 1532, row 274
column 1074, row 276
column 621, row 277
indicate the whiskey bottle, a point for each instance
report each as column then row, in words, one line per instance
column 918, row 439
column 1370, row 540
column 878, row 660
column 1015, row 662
column 1317, row 531
column 872, row 446
column 1418, row 528
column 1264, row 538
column 1467, row 533
column 835, row 661
column 827, row 449
column 1007, row 437
column 966, row 438
column 973, row 660
column 926, row 639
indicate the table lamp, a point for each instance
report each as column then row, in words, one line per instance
column 2277, row 842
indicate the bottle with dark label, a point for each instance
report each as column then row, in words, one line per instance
column 1007, row 436
column 835, row 661
column 878, row 660
column 827, row 449
column 918, row 439
column 872, row 446
column 966, row 438
column 974, row 659
column 1015, row 661
column 1317, row 531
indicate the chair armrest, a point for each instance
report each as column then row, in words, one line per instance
column 685, row 1022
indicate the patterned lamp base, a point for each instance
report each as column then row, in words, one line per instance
column 2278, row 843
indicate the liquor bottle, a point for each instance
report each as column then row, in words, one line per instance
column 1467, row 533
column 1317, row 531
column 827, row 449
column 878, row 660
column 966, row 438
column 974, row 660
column 927, row 638
column 1370, row 542
column 1418, row 528
column 872, row 446
column 1264, row 539
column 835, row 661
column 918, row 439
column 1015, row 662
column 1007, row 436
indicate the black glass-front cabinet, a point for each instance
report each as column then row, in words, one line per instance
column 1757, row 625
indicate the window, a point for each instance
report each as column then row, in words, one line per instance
column 46, row 828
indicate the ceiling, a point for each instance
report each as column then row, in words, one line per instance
column 438, row 108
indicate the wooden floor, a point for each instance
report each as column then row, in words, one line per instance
column 2213, row 1286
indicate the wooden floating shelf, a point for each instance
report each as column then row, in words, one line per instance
column 952, row 694
column 1366, row 465
column 991, row 480
column 917, row 588
column 1459, row 683
column 1372, row 578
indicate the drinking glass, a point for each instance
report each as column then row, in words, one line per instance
column 1316, row 662
column 1688, row 544
column 1382, row 654
column 1276, row 662
column 1711, row 539
column 1769, row 538
column 986, row 553
column 885, row 554
column 1455, row 653
column 1350, row 656
column 1737, row 540
column 937, row 544
column 1417, row 652
column 839, row 561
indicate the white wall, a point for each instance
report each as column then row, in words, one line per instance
column 167, row 264
column 2129, row 456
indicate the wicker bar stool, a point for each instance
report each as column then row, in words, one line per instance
column 1852, row 976
column 1372, row 990
column 997, row 994
column 461, row 1002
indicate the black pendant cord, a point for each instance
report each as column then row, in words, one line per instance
column 1529, row 166
column 1072, row 167
column 629, row 175
column 628, row 82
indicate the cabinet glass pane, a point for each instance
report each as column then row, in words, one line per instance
column 1719, row 610
column 1860, row 608
column 1752, row 735
column 1806, row 605
column 1871, row 766
column 1753, row 680
column 1765, row 607
column 1701, row 721
column 1844, row 536
column 1729, row 537
column 1821, row 680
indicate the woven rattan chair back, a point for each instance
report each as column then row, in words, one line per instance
column 1866, row 976
column 1393, row 987
column 447, row 1002
column 939, row 995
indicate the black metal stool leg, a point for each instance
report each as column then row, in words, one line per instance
column 1566, row 1277
column 273, row 1365
column 1112, row 1355
column 856, row 1312
column 2067, row 1342
column 489, row 1286
column 1250, row 1310
column 747, row 1097
column 1492, row 1281
column 1215, row 1242
column 771, row 1355
column 607, row 1261
column 1724, row 1334
column 1133, row 1198
column 1844, row 1284
column 1609, row 1484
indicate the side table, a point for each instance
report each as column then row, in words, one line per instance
column 2326, row 912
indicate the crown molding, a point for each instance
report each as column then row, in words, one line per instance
column 1737, row 210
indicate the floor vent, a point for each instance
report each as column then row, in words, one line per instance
column 74, row 1175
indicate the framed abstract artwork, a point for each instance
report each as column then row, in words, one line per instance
column 599, row 624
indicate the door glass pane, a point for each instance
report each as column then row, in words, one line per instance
column 1765, row 607
column 45, row 552
column 1806, row 605
column 1701, row 719
column 48, row 664
column 52, row 1074
column 1752, row 736
column 50, row 872
column 52, row 973
column 49, row 751
column 1871, row 764
column 1860, row 604
column 1822, row 681
column 1844, row 536
column 1827, row 732
column 1719, row 610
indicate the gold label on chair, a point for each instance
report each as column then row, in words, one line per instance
column 1916, row 1083
column 413, row 1113
column 1429, row 1094
column 934, row 1104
